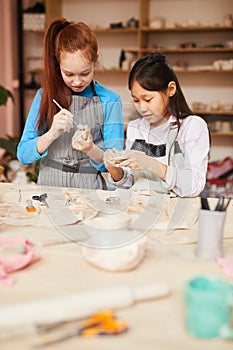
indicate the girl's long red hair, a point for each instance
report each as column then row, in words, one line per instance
column 73, row 37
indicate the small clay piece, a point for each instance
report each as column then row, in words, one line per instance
column 81, row 136
column 120, row 156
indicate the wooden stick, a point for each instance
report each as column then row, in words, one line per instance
column 76, row 306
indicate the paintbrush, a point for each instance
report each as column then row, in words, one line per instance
column 57, row 104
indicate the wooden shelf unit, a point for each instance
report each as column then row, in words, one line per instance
column 143, row 37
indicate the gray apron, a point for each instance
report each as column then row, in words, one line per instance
column 67, row 167
column 173, row 156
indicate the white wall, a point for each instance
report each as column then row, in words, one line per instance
column 9, row 116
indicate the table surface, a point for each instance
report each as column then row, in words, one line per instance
column 62, row 270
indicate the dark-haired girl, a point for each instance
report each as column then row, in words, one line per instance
column 168, row 144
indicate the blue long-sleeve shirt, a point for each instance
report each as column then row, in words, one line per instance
column 113, row 129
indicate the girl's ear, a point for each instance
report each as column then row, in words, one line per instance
column 171, row 88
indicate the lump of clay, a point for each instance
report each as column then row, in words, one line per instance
column 124, row 258
column 109, row 229
column 81, row 137
column 108, row 221
column 119, row 156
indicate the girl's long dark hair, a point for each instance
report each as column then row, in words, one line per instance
column 154, row 73
column 61, row 36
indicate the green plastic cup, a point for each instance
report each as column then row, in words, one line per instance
column 207, row 308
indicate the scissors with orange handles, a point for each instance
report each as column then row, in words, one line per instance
column 100, row 324
column 103, row 323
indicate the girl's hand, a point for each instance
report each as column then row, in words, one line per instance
column 136, row 160
column 140, row 161
column 62, row 122
column 110, row 164
column 109, row 156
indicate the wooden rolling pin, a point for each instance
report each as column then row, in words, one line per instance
column 75, row 306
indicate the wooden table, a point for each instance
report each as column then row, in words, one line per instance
column 62, row 270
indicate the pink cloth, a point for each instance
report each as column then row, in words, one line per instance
column 11, row 263
column 227, row 266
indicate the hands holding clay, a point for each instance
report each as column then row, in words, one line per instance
column 134, row 159
column 114, row 160
column 82, row 139
column 113, row 157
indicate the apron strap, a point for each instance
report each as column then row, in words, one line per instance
column 149, row 148
column 76, row 168
column 171, row 140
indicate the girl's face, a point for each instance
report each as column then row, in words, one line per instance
column 77, row 72
column 152, row 105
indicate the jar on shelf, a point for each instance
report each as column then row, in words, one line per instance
column 228, row 20
column 34, row 21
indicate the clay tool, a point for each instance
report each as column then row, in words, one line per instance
column 41, row 199
column 226, row 206
column 204, row 204
column 30, row 208
column 57, row 104
column 220, row 204
column 101, row 323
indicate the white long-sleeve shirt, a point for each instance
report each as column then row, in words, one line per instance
column 193, row 139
